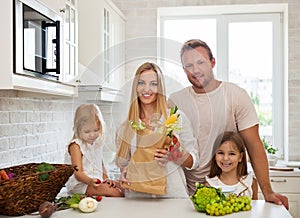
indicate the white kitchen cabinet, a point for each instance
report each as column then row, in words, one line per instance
column 287, row 184
column 101, row 50
column 57, row 5
column 12, row 81
column 71, row 40
column 68, row 10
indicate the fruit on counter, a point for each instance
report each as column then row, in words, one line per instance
column 230, row 205
column 88, row 205
column 98, row 198
column 213, row 202
column 46, row 209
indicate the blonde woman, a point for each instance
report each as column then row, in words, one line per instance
column 146, row 167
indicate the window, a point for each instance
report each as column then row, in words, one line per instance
column 248, row 43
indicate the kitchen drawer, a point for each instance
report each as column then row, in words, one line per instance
column 285, row 184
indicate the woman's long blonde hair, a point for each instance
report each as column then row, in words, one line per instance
column 134, row 112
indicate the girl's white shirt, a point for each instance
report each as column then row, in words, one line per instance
column 236, row 188
column 92, row 159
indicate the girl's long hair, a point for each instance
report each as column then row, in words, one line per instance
column 234, row 137
column 86, row 113
column 125, row 135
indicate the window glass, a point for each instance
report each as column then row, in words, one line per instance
column 250, row 63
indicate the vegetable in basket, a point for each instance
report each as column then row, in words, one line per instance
column 44, row 167
column 3, row 175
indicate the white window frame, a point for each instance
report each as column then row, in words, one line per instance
column 280, row 75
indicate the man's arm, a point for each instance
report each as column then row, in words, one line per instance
column 260, row 165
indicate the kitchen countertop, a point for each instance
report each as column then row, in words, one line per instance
column 294, row 173
column 162, row 208
column 283, row 169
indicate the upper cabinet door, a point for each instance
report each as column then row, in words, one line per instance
column 101, row 53
column 57, row 5
column 114, row 47
column 71, row 40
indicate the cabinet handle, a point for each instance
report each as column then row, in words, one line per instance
column 278, row 180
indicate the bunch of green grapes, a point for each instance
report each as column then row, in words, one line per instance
column 231, row 204
column 206, row 195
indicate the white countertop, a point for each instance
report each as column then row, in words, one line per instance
column 164, row 208
column 294, row 173
column 282, row 166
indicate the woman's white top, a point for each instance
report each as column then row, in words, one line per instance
column 243, row 188
column 92, row 158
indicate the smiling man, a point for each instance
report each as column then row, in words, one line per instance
column 214, row 107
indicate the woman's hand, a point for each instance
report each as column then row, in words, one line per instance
column 110, row 182
column 161, row 156
column 123, row 179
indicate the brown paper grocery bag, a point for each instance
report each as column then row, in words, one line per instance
column 144, row 173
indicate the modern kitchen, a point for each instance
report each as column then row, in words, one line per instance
column 89, row 54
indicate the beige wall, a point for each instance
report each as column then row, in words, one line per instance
column 142, row 22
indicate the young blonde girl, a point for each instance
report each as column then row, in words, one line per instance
column 85, row 151
column 229, row 167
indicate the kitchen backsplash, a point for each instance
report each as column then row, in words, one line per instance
column 35, row 129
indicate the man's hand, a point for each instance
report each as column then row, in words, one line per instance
column 277, row 199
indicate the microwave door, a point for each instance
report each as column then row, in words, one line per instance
column 51, row 47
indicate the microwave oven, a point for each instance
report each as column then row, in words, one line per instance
column 36, row 40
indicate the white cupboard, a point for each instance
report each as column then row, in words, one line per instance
column 287, row 183
column 12, row 81
column 101, row 49
column 68, row 11
column 57, row 5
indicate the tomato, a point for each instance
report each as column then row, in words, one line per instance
column 175, row 140
column 98, row 198
column 179, row 154
column 171, row 148
column 175, row 155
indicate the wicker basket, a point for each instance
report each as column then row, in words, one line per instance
column 24, row 193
